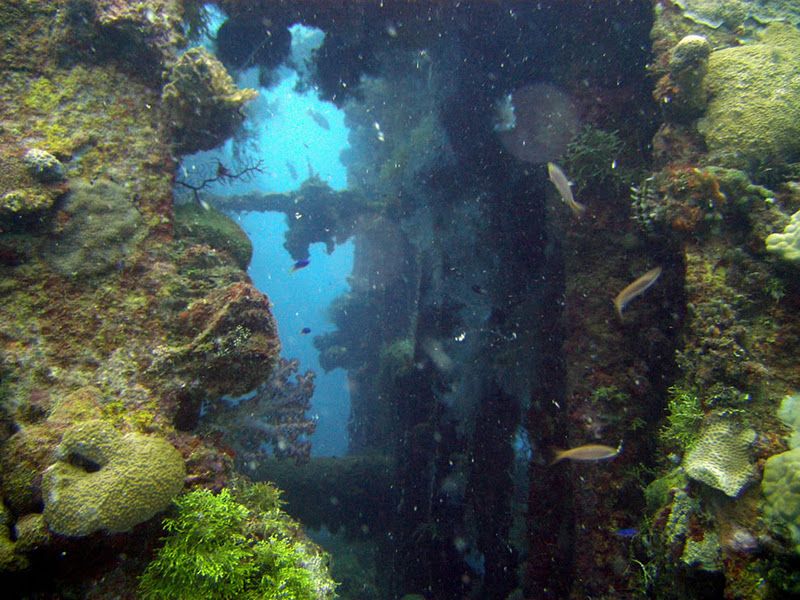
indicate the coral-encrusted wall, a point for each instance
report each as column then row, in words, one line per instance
column 722, row 187
column 104, row 317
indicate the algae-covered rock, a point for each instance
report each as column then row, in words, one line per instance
column 786, row 244
column 753, row 114
column 781, row 487
column 704, row 554
column 658, row 491
column 25, row 203
column 31, row 533
column 106, row 481
column 43, row 166
column 10, row 559
column 211, row 227
column 201, row 101
column 688, row 65
column 677, row 525
column 722, row 457
column 233, row 341
column 97, row 228
column 145, row 32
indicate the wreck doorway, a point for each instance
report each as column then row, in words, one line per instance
column 289, row 136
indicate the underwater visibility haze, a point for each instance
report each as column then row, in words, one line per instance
column 399, row 300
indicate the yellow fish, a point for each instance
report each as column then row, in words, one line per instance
column 637, row 288
column 565, row 191
column 588, row 452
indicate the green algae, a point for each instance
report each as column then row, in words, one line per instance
column 704, row 554
column 235, row 545
column 684, row 419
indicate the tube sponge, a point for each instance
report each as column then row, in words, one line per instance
column 787, row 244
column 104, row 480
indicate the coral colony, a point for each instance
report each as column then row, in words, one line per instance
column 272, row 421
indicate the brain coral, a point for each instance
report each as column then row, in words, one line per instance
column 104, row 480
column 781, row 487
column 753, row 113
column 722, row 457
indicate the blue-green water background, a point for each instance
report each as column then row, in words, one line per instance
column 282, row 132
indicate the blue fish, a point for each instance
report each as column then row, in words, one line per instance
column 627, row 533
column 305, row 330
column 300, row 264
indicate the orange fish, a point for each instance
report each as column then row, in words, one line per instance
column 586, row 453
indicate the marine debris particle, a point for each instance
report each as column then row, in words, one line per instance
column 637, row 288
column 433, row 348
column 505, row 119
column 563, row 186
column 586, row 453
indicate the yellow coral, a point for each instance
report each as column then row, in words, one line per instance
column 106, row 481
column 786, row 244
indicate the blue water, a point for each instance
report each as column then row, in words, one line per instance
column 300, row 300
column 283, row 134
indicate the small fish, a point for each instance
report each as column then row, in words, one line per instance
column 627, row 533
column 479, row 290
column 319, row 119
column 292, row 170
column 305, row 330
column 300, row 264
column 588, row 452
column 222, row 171
column 562, row 185
column 637, row 288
